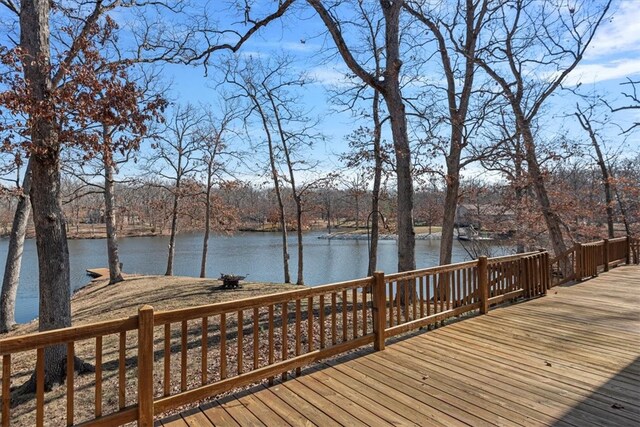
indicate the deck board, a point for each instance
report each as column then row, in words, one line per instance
column 571, row 358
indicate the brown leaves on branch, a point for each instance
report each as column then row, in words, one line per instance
column 97, row 107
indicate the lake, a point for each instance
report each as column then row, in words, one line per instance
column 257, row 255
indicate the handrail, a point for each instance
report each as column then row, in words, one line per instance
column 504, row 258
column 180, row 314
column 311, row 324
column 37, row 340
column 403, row 275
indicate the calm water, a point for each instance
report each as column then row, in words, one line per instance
column 257, row 255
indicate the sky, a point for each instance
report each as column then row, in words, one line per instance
column 613, row 56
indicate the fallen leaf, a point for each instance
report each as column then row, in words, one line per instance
column 617, row 406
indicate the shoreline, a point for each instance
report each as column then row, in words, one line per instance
column 97, row 300
column 360, row 236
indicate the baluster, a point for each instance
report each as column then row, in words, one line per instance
column 70, row 385
column 183, row 356
column 354, row 311
column 421, row 284
column 430, row 280
column 256, row 337
column 285, row 342
column 271, row 356
column 345, row 306
column 240, row 342
column 298, row 331
column 310, row 324
column 322, row 322
column 6, row 390
column 122, row 361
column 390, row 287
column 40, row 387
column 205, row 350
column 223, row 346
column 98, row 387
column 167, row 359
column 365, row 319
column 414, row 297
column 334, row 332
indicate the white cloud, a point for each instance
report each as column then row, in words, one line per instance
column 619, row 34
column 603, row 71
column 253, row 54
column 329, row 76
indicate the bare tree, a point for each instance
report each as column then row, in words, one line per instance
column 366, row 142
column 585, row 118
column 390, row 88
column 529, row 49
column 630, row 93
column 287, row 129
column 15, row 249
column 249, row 79
column 212, row 146
column 294, row 130
column 175, row 159
column 454, row 32
column 37, row 94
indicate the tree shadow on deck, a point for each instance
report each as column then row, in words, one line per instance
column 617, row 399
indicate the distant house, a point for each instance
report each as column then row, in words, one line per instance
column 487, row 216
column 94, row 216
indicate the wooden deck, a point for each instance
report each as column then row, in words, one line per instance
column 571, row 358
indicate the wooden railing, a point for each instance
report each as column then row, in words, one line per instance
column 269, row 336
column 633, row 254
column 423, row 297
column 156, row 361
column 585, row 260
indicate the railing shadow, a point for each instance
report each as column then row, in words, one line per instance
column 619, row 405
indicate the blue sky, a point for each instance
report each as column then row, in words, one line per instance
column 613, row 56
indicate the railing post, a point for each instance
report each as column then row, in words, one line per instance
column 379, row 310
column 545, row 273
column 579, row 262
column 145, row 366
column 605, row 254
column 628, row 250
column 483, row 284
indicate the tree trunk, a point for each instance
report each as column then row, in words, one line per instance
column 281, row 213
column 294, row 189
column 329, row 216
column 172, row 234
column 300, row 280
column 375, row 192
column 357, row 197
column 115, row 275
column 207, row 224
column 396, row 108
column 451, row 196
column 15, row 250
column 551, row 218
column 51, row 238
column 606, row 182
column 276, row 186
column 623, row 210
column 520, row 195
